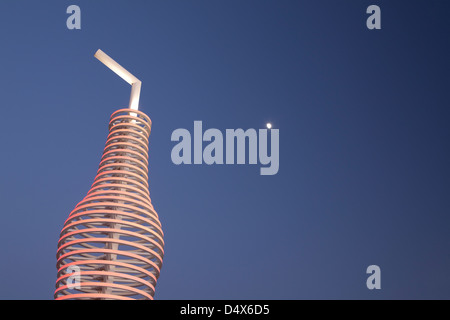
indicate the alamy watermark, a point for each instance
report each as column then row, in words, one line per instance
column 73, row 281
column 374, row 280
column 374, row 21
column 74, row 20
column 213, row 152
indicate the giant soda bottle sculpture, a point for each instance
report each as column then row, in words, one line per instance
column 111, row 245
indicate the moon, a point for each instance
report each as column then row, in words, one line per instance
column 269, row 125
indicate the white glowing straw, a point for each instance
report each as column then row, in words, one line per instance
column 125, row 75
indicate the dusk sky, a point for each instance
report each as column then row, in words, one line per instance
column 363, row 117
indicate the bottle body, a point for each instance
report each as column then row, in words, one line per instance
column 111, row 245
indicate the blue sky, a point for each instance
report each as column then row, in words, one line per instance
column 363, row 119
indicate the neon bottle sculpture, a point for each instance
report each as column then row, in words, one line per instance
column 111, row 245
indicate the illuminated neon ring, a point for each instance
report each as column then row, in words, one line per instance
column 111, row 246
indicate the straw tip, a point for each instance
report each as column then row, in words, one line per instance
column 98, row 52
